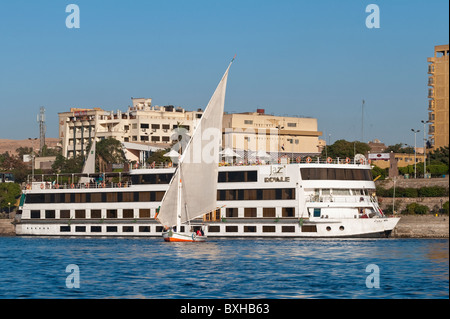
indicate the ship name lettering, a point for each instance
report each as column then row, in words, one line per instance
column 277, row 179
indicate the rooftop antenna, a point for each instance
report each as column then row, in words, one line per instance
column 42, row 128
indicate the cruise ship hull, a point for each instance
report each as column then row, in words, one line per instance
column 304, row 200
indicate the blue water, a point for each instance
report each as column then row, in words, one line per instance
column 224, row 268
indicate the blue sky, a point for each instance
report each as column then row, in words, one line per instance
column 306, row 58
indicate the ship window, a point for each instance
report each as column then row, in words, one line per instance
column 231, row 229
column 316, row 212
column 49, row 214
column 111, row 197
column 64, row 214
column 128, row 213
column 96, row 197
column 238, row 177
column 64, row 229
column 144, row 229
column 288, row 229
column 268, row 229
column 128, row 229
column 144, row 213
column 96, row 229
column 321, row 173
column 261, row 194
column 249, row 229
column 269, row 212
column 144, row 196
column 80, row 213
column 309, row 228
column 111, row 229
column 96, row 213
column 250, row 212
column 288, row 212
column 214, row 229
column 159, row 229
column 111, row 213
column 232, row 212
column 35, row 214
column 80, row 229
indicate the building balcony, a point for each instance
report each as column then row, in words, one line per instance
column 431, row 81
column 431, row 69
column 430, row 93
column 431, row 105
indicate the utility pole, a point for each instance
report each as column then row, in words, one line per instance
column 362, row 121
column 415, row 160
column 42, row 128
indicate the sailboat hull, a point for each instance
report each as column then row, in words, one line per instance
column 171, row 236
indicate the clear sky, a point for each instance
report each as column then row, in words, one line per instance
column 306, row 58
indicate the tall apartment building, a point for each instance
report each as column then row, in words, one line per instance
column 438, row 114
column 141, row 123
column 249, row 133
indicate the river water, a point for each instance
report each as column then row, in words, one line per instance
column 223, row 268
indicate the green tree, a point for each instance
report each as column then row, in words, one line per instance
column 158, row 157
column 343, row 149
column 68, row 165
column 110, row 151
column 9, row 193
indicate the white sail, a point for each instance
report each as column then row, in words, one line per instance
column 198, row 166
column 89, row 165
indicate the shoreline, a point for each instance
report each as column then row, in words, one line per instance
column 409, row 226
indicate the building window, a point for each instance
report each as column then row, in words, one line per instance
column 292, row 124
column 145, row 126
column 111, row 229
column 248, row 122
column 155, row 138
column 144, row 138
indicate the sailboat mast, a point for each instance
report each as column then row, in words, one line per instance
column 179, row 200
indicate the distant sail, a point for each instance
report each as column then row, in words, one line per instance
column 198, row 165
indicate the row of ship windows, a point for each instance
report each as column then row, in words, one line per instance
column 159, row 229
column 156, row 196
column 249, row 212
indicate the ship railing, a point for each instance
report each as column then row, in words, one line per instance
column 362, row 199
column 255, row 162
column 75, row 181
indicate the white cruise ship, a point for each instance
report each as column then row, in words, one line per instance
column 310, row 199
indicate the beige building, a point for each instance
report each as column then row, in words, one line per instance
column 438, row 115
column 141, row 123
column 253, row 132
column 144, row 128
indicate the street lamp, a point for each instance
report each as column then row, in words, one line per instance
column 425, row 148
column 415, row 164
